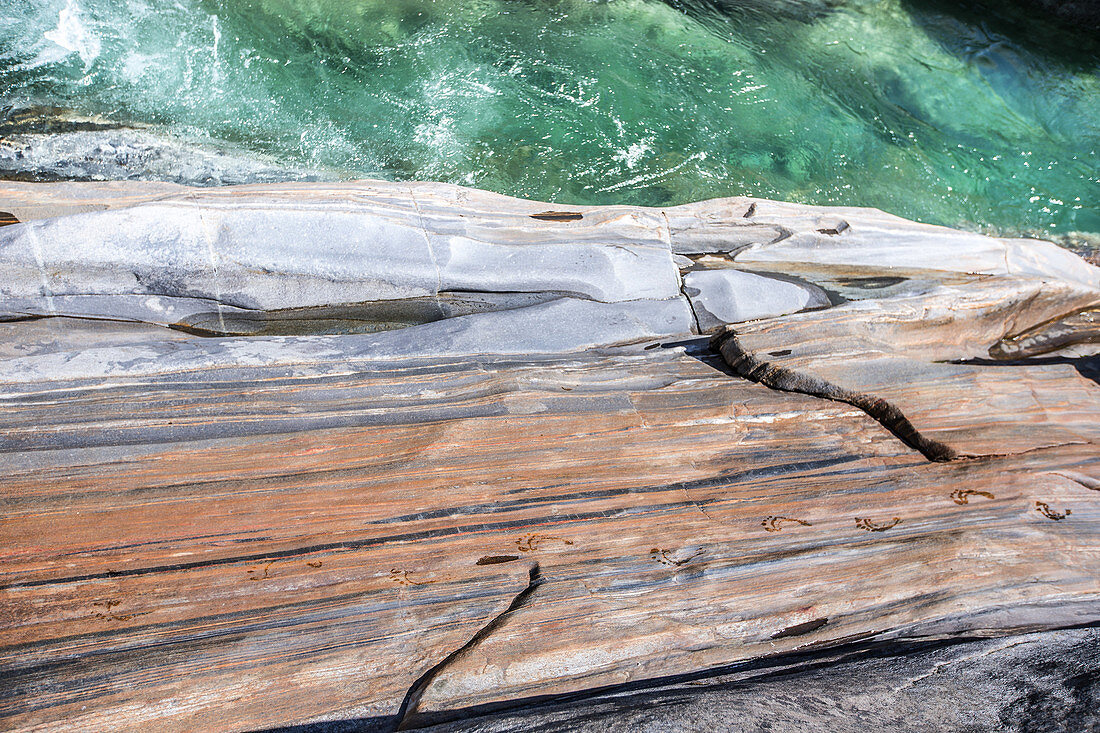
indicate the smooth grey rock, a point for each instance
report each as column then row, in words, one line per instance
column 684, row 263
column 48, row 200
column 868, row 240
column 755, row 233
column 51, row 335
column 141, row 385
column 154, row 309
column 295, row 254
column 726, row 296
column 562, row 326
column 368, row 256
column 722, row 237
column 888, row 243
column 211, row 318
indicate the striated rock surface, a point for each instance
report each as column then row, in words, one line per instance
column 898, row 358
column 361, row 456
column 1034, row 682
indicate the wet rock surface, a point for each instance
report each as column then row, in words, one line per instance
column 43, row 143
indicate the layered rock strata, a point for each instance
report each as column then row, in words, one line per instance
column 393, row 454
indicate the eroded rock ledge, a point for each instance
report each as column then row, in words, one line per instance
column 392, row 453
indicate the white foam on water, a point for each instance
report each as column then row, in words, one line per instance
column 71, row 35
column 135, row 65
column 216, row 70
column 634, row 153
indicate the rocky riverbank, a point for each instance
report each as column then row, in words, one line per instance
column 367, row 455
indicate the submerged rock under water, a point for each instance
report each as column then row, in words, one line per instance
column 42, row 143
column 123, row 153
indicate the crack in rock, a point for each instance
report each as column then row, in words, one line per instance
column 410, row 705
column 888, row 415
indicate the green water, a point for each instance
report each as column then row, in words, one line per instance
column 899, row 105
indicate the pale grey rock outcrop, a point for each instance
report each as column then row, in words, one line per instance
column 164, row 261
column 311, row 273
column 37, row 337
column 562, row 326
column 752, row 233
column 774, row 235
column 726, row 296
column 867, row 238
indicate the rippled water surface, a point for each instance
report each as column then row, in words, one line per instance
column 911, row 108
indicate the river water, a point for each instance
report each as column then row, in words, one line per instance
column 918, row 108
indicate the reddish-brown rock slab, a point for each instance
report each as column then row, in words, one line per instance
column 245, row 554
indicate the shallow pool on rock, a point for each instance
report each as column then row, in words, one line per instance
column 921, row 110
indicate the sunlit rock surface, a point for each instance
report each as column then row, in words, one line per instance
column 724, row 296
column 380, row 455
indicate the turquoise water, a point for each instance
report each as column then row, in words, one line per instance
column 882, row 103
